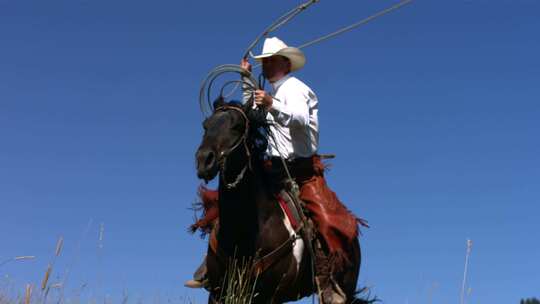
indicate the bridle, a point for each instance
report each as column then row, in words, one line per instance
column 222, row 159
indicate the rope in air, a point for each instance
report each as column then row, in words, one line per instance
column 352, row 26
column 282, row 20
column 356, row 24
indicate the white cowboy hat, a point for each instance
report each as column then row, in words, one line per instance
column 274, row 46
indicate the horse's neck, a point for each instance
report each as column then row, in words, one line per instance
column 243, row 211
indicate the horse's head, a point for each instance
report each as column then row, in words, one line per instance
column 225, row 132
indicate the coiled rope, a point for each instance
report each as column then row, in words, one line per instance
column 206, row 86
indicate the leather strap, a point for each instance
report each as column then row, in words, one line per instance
column 262, row 264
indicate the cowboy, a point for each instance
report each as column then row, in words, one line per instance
column 293, row 113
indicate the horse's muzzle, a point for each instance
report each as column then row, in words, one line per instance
column 207, row 164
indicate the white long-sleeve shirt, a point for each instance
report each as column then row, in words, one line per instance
column 294, row 117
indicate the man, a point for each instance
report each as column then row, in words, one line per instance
column 293, row 111
column 294, row 107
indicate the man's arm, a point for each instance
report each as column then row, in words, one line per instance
column 247, row 90
column 292, row 111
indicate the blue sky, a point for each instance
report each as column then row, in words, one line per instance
column 432, row 111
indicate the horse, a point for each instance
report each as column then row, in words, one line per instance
column 252, row 225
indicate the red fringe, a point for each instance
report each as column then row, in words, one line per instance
column 210, row 211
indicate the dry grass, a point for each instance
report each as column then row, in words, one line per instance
column 28, row 294
column 239, row 284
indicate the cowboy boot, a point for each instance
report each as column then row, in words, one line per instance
column 329, row 290
column 200, row 279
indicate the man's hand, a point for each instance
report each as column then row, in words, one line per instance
column 263, row 99
column 244, row 64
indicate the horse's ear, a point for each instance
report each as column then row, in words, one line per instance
column 219, row 102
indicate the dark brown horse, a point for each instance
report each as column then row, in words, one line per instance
column 251, row 222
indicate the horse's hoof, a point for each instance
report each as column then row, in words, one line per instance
column 333, row 294
column 333, row 298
